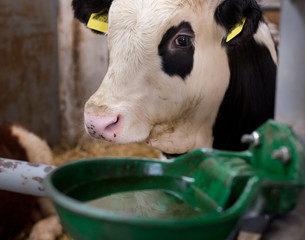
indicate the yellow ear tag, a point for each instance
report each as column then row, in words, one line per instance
column 236, row 30
column 98, row 21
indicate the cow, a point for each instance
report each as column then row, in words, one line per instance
column 174, row 82
column 22, row 215
column 177, row 80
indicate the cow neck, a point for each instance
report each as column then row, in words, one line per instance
column 249, row 99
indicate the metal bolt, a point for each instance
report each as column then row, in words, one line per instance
column 253, row 139
column 283, row 154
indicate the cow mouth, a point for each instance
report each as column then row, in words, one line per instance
column 172, row 155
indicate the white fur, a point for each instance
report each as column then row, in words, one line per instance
column 166, row 112
column 36, row 149
column 263, row 36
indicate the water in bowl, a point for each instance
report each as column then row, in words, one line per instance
column 148, row 203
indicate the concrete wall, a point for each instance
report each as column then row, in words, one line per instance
column 290, row 98
column 28, row 65
column 49, row 65
column 83, row 62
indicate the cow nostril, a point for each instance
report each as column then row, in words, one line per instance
column 113, row 124
column 117, row 120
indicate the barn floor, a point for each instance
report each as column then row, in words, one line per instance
column 91, row 149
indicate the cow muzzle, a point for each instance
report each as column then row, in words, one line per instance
column 104, row 127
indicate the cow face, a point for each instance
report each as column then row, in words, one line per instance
column 167, row 75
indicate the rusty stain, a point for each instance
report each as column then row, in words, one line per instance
column 24, row 177
column 38, row 179
column 33, row 164
column 8, row 164
column 25, row 180
column 48, row 169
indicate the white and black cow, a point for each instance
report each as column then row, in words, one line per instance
column 174, row 82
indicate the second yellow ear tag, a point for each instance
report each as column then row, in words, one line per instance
column 236, row 30
column 99, row 21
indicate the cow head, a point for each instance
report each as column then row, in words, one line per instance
column 168, row 70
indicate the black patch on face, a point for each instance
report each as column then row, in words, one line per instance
column 177, row 50
column 250, row 98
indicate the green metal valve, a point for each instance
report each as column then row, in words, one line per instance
column 221, row 187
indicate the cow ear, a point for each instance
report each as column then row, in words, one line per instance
column 242, row 14
column 84, row 8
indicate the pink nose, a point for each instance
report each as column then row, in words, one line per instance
column 102, row 127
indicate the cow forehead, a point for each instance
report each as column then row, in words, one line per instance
column 136, row 8
column 149, row 17
column 136, row 27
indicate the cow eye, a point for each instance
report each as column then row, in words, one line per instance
column 177, row 49
column 184, row 41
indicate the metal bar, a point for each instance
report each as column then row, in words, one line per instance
column 270, row 6
column 23, row 177
column 290, row 95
